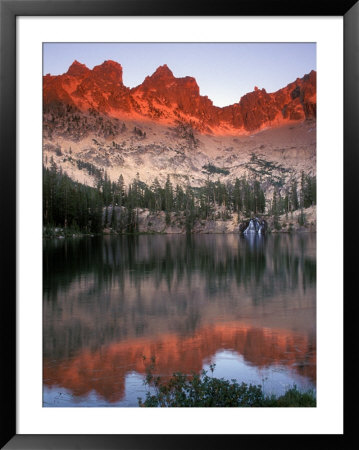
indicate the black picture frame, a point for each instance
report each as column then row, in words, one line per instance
column 9, row 10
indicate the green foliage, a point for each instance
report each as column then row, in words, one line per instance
column 292, row 398
column 90, row 168
column 168, row 218
column 308, row 193
column 301, row 218
column 66, row 202
column 294, row 195
column 200, row 391
column 276, row 209
column 69, row 204
column 264, row 169
column 204, row 390
column 210, row 168
column 113, row 219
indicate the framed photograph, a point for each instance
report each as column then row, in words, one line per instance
column 175, row 177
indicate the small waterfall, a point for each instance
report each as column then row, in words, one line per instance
column 255, row 226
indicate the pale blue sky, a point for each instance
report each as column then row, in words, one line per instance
column 224, row 72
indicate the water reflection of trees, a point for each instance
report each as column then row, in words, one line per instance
column 103, row 289
column 173, row 259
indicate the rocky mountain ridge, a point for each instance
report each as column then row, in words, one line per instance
column 165, row 99
column 93, row 124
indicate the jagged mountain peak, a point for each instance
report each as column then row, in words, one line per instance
column 162, row 97
column 163, row 80
column 110, row 70
column 163, row 72
column 77, row 69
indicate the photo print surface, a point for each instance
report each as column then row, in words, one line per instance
column 179, row 224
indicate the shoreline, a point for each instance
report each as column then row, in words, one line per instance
column 157, row 223
column 72, row 235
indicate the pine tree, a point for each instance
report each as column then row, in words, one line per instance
column 96, row 216
column 120, row 191
column 247, row 203
column 190, row 209
column 302, row 190
column 275, row 210
column 157, row 191
column 168, row 195
column 294, row 196
column 313, row 192
column 237, row 196
column 106, row 217
column 301, row 218
column 113, row 219
column 179, row 199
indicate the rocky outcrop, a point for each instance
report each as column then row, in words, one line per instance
column 175, row 223
column 156, row 223
column 163, row 97
column 100, row 89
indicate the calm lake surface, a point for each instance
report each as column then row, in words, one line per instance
column 246, row 304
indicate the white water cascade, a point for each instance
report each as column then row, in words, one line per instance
column 255, row 227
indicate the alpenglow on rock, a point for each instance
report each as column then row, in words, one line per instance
column 164, row 98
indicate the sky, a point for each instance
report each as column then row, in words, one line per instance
column 224, row 71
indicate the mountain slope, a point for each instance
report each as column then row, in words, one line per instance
column 93, row 124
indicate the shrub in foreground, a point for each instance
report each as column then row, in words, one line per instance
column 292, row 397
column 207, row 391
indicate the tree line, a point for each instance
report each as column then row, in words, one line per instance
column 70, row 204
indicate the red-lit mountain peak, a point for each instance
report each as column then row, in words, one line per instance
column 163, row 72
column 77, row 69
column 109, row 70
column 165, row 98
column 160, row 79
column 163, row 79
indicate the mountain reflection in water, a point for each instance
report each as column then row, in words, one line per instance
column 109, row 301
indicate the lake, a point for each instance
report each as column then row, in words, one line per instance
column 246, row 304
